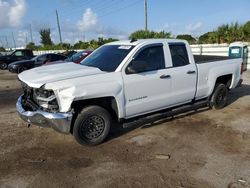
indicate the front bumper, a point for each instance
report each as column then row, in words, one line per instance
column 60, row 122
column 12, row 69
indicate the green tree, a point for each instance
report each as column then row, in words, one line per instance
column 222, row 33
column 209, row 37
column 187, row 37
column 93, row 44
column 45, row 37
column 65, row 46
column 31, row 46
column 246, row 31
column 2, row 49
column 81, row 45
column 142, row 34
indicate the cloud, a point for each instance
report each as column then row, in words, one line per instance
column 194, row 28
column 11, row 12
column 22, row 36
column 89, row 21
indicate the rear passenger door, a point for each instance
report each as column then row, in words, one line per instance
column 183, row 74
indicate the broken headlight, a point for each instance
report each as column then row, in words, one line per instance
column 46, row 99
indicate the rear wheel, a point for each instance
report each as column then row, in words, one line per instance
column 92, row 125
column 219, row 97
column 3, row 65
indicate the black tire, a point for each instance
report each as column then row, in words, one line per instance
column 92, row 125
column 21, row 69
column 3, row 65
column 219, row 97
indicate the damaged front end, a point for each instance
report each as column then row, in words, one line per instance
column 40, row 107
column 39, row 99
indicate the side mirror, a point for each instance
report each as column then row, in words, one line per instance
column 136, row 67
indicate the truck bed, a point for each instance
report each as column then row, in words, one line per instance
column 209, row 58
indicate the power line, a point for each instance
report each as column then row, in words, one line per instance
column 94, row 6
column 7, row 43
column 120, row 9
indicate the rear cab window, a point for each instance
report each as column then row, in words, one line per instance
column 179, row 54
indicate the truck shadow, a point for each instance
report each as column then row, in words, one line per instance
column 118, row 130
column 238, row 93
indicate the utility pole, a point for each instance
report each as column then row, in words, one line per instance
column 84, row 37
column 26, row 38
column 59, row 29
column 7, row 43
column 13, row 39
column 146, row 14
column 2, row 45
column 31, row 35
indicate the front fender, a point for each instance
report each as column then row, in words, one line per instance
column 66, row 96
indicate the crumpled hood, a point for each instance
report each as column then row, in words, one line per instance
column 46, row 74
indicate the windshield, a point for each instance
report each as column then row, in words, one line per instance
column 108, row 57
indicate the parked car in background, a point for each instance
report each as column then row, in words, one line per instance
column 68, row 53
column 17, row 55
column 79, row 56
column 20, row 66
column 76, row 58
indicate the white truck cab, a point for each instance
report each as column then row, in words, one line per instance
column 123, row 80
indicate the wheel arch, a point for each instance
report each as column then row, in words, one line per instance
column 225, row 79
column 109, row 103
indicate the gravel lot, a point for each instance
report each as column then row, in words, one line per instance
column 208, row 148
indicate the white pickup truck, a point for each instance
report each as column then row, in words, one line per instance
column 120, row 81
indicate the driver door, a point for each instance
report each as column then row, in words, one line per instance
column 149, row 87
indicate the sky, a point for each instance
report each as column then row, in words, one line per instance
column 88, row 19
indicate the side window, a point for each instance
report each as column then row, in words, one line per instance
column 41, row 59
column 19, row 53
column 151, row 58
column 54, row 57
column 179, row 55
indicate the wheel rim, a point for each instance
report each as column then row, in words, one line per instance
column 221, row 98
column 92, row 127
column 3, row 65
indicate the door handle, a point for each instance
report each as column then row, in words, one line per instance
column 164, row 76
column 191, row 72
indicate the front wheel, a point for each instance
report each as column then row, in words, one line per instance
column 3, row 65
column 21, row 69
column 92, row 125
column 219, row 97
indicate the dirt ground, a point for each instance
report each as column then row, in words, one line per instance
column 208, row 148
